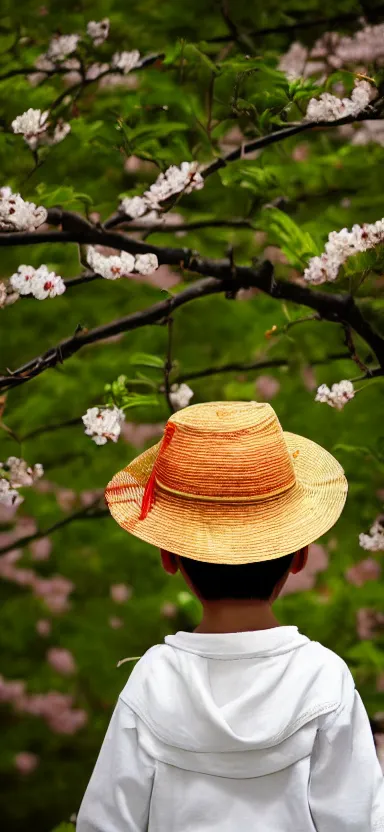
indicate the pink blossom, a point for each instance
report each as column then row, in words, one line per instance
column 115, row 622
column 43, row 627
column 309, row 378
column 368, row 623
column 366, row 570
column 61, row 660
column 66, row 498
column 380, row 683
column 137, row 435
column 89, row 497
column 120, row 593
column 26, row 762
column 300, row 153
column 11, row 691
column 68, row 721
column 41, row 549
column 267, row 387
column 317, row 562
column 168, row 609
column 54, row 592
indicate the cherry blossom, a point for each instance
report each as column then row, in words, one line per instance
column 3, row 294
column 120, row 593
column 98, row 31
column 61, row 46
column 146, row 263
column 95, row 70
column 115, row 623
column 267, row 387
column 341, row 245
column 334, row 51
column 369, row 623
column 338, row 396
column 168, row 609
column 293, row 62
column 175, row 180
column 126, row 61
column 180, row 396
column 43, row 627
column 374, row 541
column 9, row 496
column 134, row 206
column 26, row 762
column 366, row 570
column 40, row 282
column 103, row 423
column 329, row 108
column 41, row 549
column 18, row 215
column 110, row 267
column 20, row 473
column 61, row 660
column 31, row 124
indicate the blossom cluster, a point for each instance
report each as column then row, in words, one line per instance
column 374, row 541
column 337, row 396
column 333, row 51
column 126, row 61
column 103, row 423
column 52, row 591
column 37, row 130
column 39, row 282
column 55, row 708
column 175, row 180
column 121, row 265
column 341, row 245
column 16, row 473
column 18, row 215
column 98, row 31
column 330, row 108
column 180, row 396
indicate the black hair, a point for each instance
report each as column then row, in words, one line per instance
column 216, row 581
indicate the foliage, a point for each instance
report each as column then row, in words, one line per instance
column 199, row 100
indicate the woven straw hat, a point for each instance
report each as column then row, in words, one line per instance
column 227, row 485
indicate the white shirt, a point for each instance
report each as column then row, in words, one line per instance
column 260, row 731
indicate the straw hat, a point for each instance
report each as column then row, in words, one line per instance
column 227, row 485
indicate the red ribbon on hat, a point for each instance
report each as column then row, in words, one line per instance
column 149, row 492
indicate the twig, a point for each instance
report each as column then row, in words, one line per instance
column 168, row 365
column 352, row 350
column 88, row 513
column 268, row 364
column 286, row 28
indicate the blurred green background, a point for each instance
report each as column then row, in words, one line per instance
column 119, row 602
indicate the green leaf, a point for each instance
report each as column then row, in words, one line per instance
column 192, row 53
column 143, row 359
column 297, row 244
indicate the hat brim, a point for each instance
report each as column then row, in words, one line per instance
column 234, row 533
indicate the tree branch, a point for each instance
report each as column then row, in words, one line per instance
column 268, row 364
column 89, row 513
column 62, row 70
column 286, row 28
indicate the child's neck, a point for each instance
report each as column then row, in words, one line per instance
column 233, row 616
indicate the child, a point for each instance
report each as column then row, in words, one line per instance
column 243, row 724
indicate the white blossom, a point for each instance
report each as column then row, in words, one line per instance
column 17, row 215
column 31, row 124
column 329, row 108
column 374, row 541
column 5, row 192
column 103, row 423
column 134, row 206
column 9, row 496
column 98, row 31
column 337, row 396
column 35, row 128
column 61, row 46
column 341, row 245
column 95, row 70
column 3, row 294
column 146, row 263
column 110, row 267
column 369, row 131
column 21, row 474
column 126, row 61
column 37, row 282
column 180, row 396
column 293, row 62
column 175, row 180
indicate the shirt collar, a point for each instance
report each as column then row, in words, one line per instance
column 250, row 644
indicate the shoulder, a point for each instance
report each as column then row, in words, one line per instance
column 331, row 673
column 149, row 665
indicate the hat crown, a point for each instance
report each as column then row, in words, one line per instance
column 226, row 450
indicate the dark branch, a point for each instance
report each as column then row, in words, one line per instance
column 298, row 25
column 268, row 364
column 62, row 70
column 89, row 513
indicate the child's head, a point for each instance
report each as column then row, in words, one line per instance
column 259, row 581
